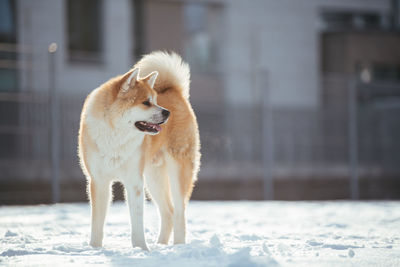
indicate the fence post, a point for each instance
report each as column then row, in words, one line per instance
column 353, row 139
column 267, row 140
column 54, row 129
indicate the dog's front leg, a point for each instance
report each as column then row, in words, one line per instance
column 99, row 193
column 135, row 199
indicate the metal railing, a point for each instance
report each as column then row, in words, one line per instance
column 351, row 134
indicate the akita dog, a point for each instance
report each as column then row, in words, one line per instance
column 140, row 129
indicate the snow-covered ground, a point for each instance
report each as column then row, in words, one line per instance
column 219, row 234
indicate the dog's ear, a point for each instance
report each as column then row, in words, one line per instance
column 131, row 80
column 151, row 78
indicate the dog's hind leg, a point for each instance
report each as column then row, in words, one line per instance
column 157, row 184
column 99, row 193
column 181, row 179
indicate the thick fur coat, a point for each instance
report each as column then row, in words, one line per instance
column 140, row 129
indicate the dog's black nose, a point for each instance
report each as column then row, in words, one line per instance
column 165, row 113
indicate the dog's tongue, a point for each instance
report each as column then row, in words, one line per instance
column 148, row 127
column 153, row 126
column 157, row 127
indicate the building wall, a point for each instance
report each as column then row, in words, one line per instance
column 276, row 41
column 280, row 41
column 43, row 22
column 164, row 28
column 267, row 44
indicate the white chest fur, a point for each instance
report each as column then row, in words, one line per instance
column 116, row 143
column 116, row 146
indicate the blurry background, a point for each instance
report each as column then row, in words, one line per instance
column 295, row 99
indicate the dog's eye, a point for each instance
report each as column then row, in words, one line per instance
column 146, row 103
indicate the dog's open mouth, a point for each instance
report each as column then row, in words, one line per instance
column 148, row 127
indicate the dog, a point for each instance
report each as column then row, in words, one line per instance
column 139, row 128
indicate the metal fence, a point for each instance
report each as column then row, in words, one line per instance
column 350, row 136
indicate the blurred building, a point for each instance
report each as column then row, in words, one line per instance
column 270, row 85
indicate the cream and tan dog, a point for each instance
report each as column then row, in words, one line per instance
column 140, row 129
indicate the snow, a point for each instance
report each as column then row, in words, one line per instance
column 241, row 233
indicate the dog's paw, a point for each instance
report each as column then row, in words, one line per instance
column 141, row 246
column 96, row 244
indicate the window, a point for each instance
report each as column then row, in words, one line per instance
column 378, row 72
column 203, row 24
column 138, row 10
column 84, row 30
column 348, row 20
column 8, row 48
column 386, row 72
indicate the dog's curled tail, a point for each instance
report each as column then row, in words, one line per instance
column 172, row 71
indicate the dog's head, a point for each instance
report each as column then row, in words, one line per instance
column 136, row 104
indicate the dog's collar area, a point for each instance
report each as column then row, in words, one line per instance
column 148, row 127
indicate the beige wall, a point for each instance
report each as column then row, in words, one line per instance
column 164, row 26
column 278, row 38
